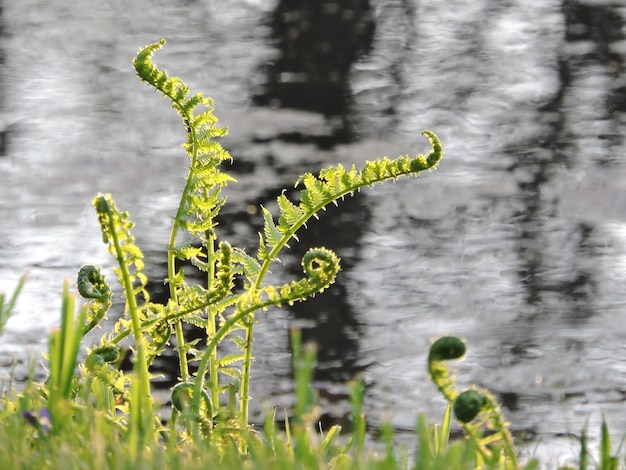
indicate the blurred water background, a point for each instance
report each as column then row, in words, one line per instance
column 517, row 242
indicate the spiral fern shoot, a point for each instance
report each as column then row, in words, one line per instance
column 216, row 306
column 475, row 409
column 92, row 285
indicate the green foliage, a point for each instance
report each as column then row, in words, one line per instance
column 212, row 404
column 476, row 409
column 6, row 307
column 96, row 440
column 91, row 284
column 64, row 346
column 90, row 414
column 216, row 307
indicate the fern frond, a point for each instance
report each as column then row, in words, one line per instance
column 159, row 332
column 200, row 201
column 332, row 184
column 115, row 227
column 229, row 359
column 248, row 265
column 225, row 271
column 196, row 321
column 233, row 372
column 271, row 232
column 92, row 285
column 192, row 299
column 239, row 342
column 320, row 266
column 173, row 87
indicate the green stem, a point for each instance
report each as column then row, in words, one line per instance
column 245, row 372
column 211, row 324
column 247, row 352
column 211, row 347
column 245, row 310
column 432, row 159
column 171, row 273
column 141, row 412
column 171, row 260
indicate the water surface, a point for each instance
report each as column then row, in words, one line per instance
column 516, row 242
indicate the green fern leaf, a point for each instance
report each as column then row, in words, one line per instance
column 230, row 359
column 239, row 342
column 331, row 185
column 250, row 267
column 115, row 227
column 231, row 372
column 290, row 214
column 196, row 321
column 272, row 234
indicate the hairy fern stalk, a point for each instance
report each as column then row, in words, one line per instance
column 201, row 400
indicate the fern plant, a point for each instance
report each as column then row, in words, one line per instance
column 475, row 409
column 214, row 400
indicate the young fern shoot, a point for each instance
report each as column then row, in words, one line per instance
column 201, row 202
column 216, row 306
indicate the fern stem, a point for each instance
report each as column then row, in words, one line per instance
column 171, row 273
column 245, row 372
column 211, row 324
column 361, row 179
column 315, row 281
column 224, row 329
column 141, row 412
column 178, row 326
column 171, row 263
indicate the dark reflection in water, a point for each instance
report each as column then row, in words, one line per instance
column 334, row 327
column 601, row 25
column 556, row 260
column 4, row 130
column 317, row 42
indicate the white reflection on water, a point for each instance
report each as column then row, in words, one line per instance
column 515, row 242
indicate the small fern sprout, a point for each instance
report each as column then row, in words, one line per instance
column 321, row 266
column 91, row 284
column 447, row 348
column 110, row 353
column 94, row 362
column 102, row 355
column 182, row 402
column 475, row 409
column 468, row 405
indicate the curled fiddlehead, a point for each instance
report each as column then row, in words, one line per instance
column 446, row 348
column 320, row 267
column 475, row 409
column 91, row 284
column 102, row 355
column 468, row 404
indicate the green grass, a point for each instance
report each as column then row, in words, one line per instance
column 65, row 423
